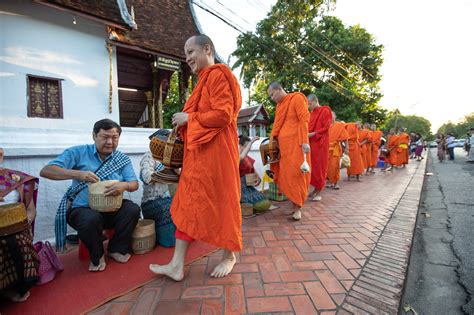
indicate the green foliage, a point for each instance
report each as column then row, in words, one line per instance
column 411, row 123
column 172, row 102
column 460, row 129
column 308, row 51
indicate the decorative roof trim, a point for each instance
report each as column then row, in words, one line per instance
column 80, row 13
column 129, row 19
column 200, row 31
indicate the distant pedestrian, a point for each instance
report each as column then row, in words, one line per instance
column 419, row 147
column 441, row 141
column 450, row 144
column 470, row 157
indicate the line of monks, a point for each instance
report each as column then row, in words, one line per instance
column 206, row 205
column 301, row 121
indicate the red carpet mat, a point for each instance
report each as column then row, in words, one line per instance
column 76, row 290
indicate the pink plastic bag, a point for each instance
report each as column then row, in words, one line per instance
column 49, row 262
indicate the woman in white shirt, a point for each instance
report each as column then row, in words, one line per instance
column 156, row 200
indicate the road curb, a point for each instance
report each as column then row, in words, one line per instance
column 380, row 285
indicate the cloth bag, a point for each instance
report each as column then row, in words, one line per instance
column 345, row 161
column 49, row 262
column 305, row 166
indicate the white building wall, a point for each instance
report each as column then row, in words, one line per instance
column 38, row 40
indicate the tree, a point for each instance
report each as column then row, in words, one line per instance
column 412, row 123
column 308, row 51
column 460, row 129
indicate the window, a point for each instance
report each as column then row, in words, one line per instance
column 44, row 97
column 244, row 131
column 257, row 130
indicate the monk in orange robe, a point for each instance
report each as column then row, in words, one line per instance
column 319, row 123
column 291, row 129
column 363, row 140
column 376, row 142
column 403, row 144
column 368, row 149
column 392, row 147
column 357, row 165
column 337, row 134
column 206, row 206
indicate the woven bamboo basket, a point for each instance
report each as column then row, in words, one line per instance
column 13, row 218
column 270, row 152
column 144, row 236
column 99, row 202
column 247, row 209
column 166, row 147
column 252, row 179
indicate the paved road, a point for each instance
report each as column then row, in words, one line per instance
column 441, row 272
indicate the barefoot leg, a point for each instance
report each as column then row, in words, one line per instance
column 225, row 266
column 99, row 267
column 121, row 258
column 175, row 269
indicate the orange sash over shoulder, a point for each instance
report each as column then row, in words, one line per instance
column 291, row 130
column 207, row 202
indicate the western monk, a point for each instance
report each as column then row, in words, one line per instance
column 357, row 165
column 376, row 142
column 404, row 142
column 392, row 147
column 319, row 123
column 291, row 129
column 363, row 140
column 337, row 135
column 206, row 206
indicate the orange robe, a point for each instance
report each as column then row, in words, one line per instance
column 357, row 165
column 376, row 142
column 319, row 121
column 337, row 133
column 368, row 149
column 404, row 143
column 392, row 146
column 291, row 129
column 207, row 203
column 364, row 135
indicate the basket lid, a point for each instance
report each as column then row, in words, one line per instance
column 99, row 187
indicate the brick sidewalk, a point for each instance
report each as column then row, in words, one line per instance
column 348, row 254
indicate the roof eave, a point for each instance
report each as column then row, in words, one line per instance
column 84, row 15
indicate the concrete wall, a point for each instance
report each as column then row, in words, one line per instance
column 38, row 40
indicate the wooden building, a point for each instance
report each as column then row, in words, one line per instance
column 253, row 121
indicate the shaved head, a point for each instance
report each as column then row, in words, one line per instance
column 275, row 86
column 275, row 91
column 203, row 40
column 312, row 97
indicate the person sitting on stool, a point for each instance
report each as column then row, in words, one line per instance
column 91, row 163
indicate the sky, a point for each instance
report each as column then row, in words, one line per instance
column 428, row 55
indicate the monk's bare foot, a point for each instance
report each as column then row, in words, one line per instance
column 225, row 266
column 99, row 267
column 174, row 272
column 15, row 296
column 336, row 187
column 121, row 258
column 317, row 197
column 297, row 215
column 358, row 178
